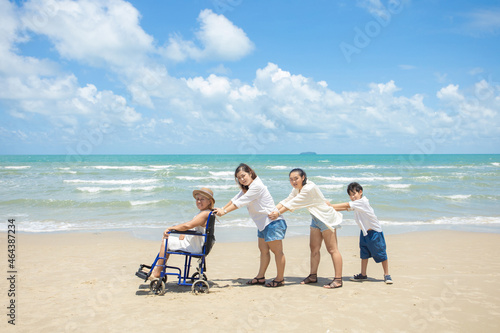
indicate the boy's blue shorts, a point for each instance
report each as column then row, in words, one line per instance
column 275, row 230
column 373, row 245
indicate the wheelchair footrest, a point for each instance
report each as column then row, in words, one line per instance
column 140, row 273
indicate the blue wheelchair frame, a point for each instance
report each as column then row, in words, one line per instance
column 198, row 281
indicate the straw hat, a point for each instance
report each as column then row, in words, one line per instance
column 206, row 192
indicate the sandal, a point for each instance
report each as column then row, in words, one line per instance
column 274, row 284
column 311, row 278
column 334, row 284
column 257, row 281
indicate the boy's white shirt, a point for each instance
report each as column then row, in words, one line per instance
column 311, row 197
column 364, row 215
column 259, row 203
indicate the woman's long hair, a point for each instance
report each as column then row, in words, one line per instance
column 244, row 167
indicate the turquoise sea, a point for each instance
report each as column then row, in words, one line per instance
column 143, row 194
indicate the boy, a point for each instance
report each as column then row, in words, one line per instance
column 371, row 238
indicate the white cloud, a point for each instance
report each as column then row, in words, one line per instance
column 100, row 33
column 377, row 9
column 282, row 85
column 450, row 93
column 37, row 87
column 294, row 104
column 220, row 70
column 476, row 71
column 213, row 85
column 482, row 21
column 374, row 7
column 219, row 37
column 471, row 116
column 407, row 67
column 277, row 106
column 440, row 77
column 384, row 88
column 12, row 64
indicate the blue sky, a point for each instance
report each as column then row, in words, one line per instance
column 245, row 77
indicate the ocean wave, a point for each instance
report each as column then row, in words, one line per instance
column 456, row 196
column 144, row 202
column 277, row 167
column 358, row 179
column 47, row 226
column 222, row 174
column 191, row 178
column 152, row 168
column 204, row 178
column 426, row 178
column 67, row 170
column 467, row 220
column 128, row 168
column 161, row 167
column 54, row 203
column 116, row 189
column 495, row 164
column 455, row 220
column 359, row 166
column 331, row 187
column 441, row 167
column 98, row 224
column 224, row 187
column 191, row 166
column 112, row 182
column 398, row 186
column 349, row 167
column 14, row 167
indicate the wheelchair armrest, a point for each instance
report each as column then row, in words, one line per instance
column 187, row 232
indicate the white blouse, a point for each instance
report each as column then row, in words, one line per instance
column 259, row 203
column 311, row 197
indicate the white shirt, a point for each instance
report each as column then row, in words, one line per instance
column 259, row 203
column 311, row 197
column 365, row 215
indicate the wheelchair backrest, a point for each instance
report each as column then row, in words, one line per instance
column 210, row 231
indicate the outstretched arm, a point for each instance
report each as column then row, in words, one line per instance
column 339, row 207
column 229, row 207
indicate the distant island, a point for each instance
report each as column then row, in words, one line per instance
column 308, row 153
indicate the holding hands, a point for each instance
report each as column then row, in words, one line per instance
column 274, row 215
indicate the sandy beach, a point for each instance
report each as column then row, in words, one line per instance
column 444, row 281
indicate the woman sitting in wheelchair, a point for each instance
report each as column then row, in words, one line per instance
column 205, row 202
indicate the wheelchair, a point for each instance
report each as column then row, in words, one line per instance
column 197, row 281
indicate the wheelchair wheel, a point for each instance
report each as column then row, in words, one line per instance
column 200, row 287
column 157, row 287
column 196, row 276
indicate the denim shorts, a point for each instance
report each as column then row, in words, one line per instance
column 273, row 231
column 318, row 224
column 373, row 245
